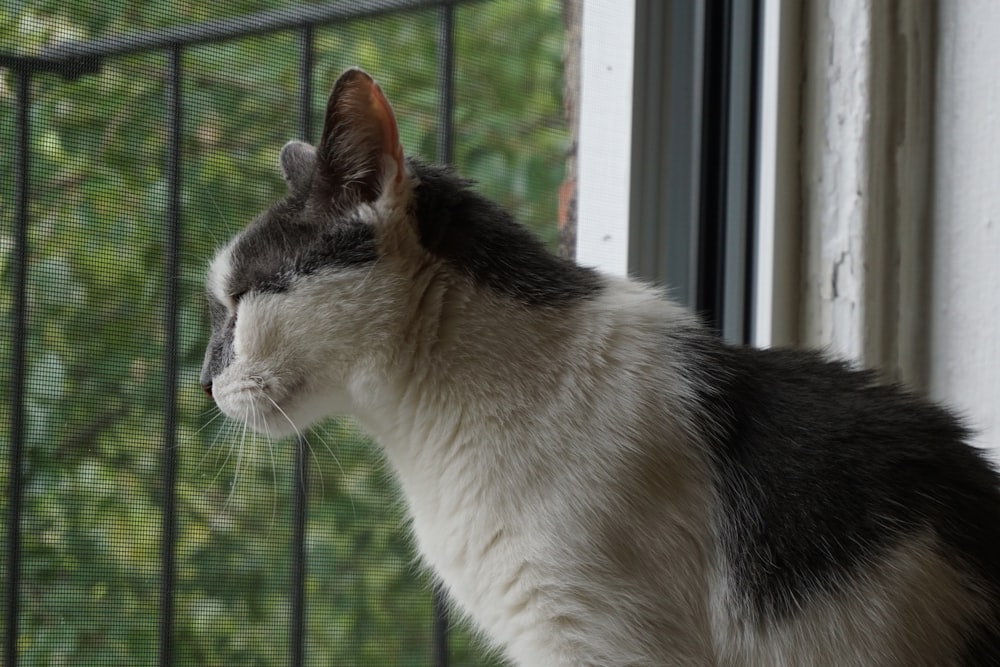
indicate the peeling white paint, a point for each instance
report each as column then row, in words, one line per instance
column 836, row 175
column 867, row 121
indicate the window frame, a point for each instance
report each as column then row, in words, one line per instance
column 683, row 137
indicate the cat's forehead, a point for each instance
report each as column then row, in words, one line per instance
column 257, row 252
column 286, row 242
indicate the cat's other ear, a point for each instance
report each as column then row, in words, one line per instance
column 298, row 162
column 359, row 153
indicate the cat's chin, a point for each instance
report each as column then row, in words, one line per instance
column 256, row 402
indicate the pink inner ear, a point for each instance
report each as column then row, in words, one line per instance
column 390, row 132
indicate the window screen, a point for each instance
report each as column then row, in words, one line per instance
column 141, row 527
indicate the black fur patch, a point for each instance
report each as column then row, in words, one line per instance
column 484, row 242
column 283, row 244
column 821, row 470
column 982, row 646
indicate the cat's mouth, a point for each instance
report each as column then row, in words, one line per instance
column 262, row 402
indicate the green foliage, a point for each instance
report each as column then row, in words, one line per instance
column 92, row 519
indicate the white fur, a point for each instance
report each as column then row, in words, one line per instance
column 218, row 276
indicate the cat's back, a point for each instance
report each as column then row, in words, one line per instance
column 846, row 503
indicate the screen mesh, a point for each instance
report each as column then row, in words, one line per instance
column 97, row 341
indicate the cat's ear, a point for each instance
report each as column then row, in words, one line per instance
column 298, row 162
column 359, row 153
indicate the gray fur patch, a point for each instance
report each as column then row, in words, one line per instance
column 282, row 244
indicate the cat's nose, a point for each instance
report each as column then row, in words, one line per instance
column 207, row 386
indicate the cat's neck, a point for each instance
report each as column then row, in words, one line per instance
column 474, row 367
column 463, row 356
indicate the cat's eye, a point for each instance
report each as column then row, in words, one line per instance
column 231, row 302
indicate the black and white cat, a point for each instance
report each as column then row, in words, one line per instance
column 596, row 479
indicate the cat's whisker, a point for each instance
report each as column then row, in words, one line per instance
column 222, row 219
column 226, row 425
column 319, row 468
column 212, row 407
column 274, row 476
column 284, row 414
column 318, row 432
column 343, row 473
column 300, row 436
column 239, row 455
column 197, row 301
column 218, row 413
column 227, row 434
column 298, row 432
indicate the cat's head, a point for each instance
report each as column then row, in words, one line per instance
column 299, row 294
column 364, row 250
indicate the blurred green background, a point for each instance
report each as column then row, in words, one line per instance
column 94, row 409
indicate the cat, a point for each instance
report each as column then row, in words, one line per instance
column 594, row 477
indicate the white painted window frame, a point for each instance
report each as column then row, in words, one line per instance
column 605, row 140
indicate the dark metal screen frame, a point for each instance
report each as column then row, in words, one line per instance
column 22, row 166
column 75, row 59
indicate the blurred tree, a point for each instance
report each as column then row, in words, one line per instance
column 96, row 340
